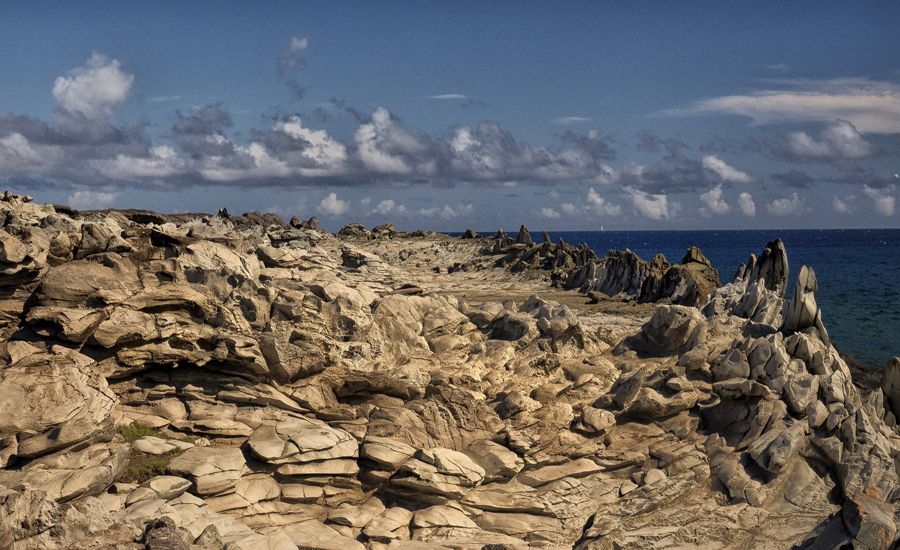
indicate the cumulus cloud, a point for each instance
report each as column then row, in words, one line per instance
column 96, row 89
column 747, row 204
column 842, row 206
column 786, row 206
column 447, row 212
column 600, row 206
column 714, row 201
column 677, row 172
column 299, row 44
column 85, row 145
column 870, row 106
column 548, row 213
column 92, row 200
column 725, row 171
column 331, row 205
column 17, row 154
column 389, row 206
column 655, row 207
column 162, row 162
column 840, row 140
column 490, row 153
column 594, row 205
column 386, row 147
column 882, row 198
column 208, row 119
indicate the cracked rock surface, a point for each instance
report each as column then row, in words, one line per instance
column 196, row 381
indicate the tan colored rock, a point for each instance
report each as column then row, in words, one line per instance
column 53, row 401
column 213, row 470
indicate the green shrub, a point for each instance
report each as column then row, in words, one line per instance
column 135, row 431
column 142, row 467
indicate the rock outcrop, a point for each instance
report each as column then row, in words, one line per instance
column 620, row 274
column 192, row 381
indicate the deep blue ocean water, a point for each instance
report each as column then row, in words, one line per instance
column 858, row 272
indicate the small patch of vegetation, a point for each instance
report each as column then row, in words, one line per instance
column 142, row 467
column 135, row 431
column 188, row 438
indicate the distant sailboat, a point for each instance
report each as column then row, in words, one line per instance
column 601, row 228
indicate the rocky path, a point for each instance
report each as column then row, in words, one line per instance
column 231, row 382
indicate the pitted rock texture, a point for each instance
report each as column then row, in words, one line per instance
column 194, row 381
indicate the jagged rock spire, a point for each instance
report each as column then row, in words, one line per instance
column 772, row 265
column 801, row 312
column 524, row 237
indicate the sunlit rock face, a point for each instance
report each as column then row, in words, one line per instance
column 235, row 382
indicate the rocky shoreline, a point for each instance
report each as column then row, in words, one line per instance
column 216, row 381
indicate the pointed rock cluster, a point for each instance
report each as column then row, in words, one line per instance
column 620, row 274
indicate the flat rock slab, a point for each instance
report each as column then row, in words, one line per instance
column 301, row 441
column 157, row 446
column 213, row 470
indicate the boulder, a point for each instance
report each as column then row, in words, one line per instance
column 869, row 521
column 672, row 330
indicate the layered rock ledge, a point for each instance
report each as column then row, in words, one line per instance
column 216, row 381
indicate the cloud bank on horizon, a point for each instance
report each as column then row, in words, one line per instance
column 788, row 152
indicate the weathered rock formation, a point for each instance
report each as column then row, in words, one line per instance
column 620, row 274
column 233, row 382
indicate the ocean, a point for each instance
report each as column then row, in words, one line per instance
column 858, row 272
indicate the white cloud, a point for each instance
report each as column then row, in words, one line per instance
column 883, row 198
column 18, row 155
column 655, row 207
column 600, row 205
column 714, row 201
column 326, row 154
column 92, row 200
column 548, row 213
column 96, row 89
column 389, row 206
column 162, row 162
column 365, row 201
column 780, row 67
column 593, row 205
column 333, row 206
column 292, row 57
column 164, row 98
column 838, row 140
column 871, row 106
column 387, row 148
column 786, row 206
column 571, row 120
column 842, row 206
column 447, row 212
column 448, row 97
column 747, row 204
column 310, row 153
column 725, row 171
column 299, row 44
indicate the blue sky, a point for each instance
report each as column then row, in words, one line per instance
column 564, row 115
